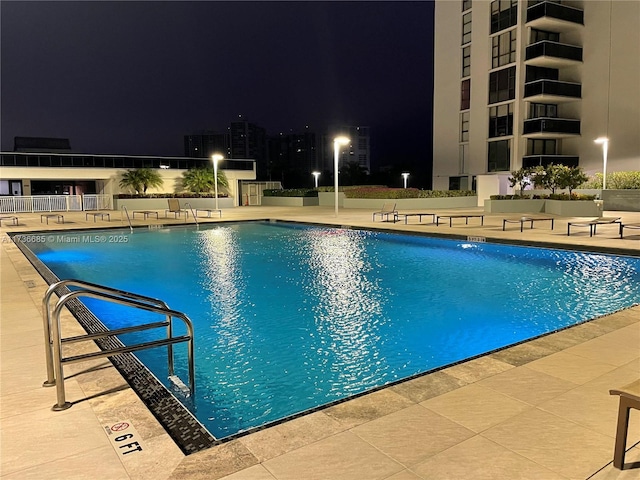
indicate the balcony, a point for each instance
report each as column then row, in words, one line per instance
column 554, row 17
column 551, row 128
column 552, row 91
column 544, row 160
column 553, row 54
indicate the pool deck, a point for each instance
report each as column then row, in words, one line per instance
column 539, row 410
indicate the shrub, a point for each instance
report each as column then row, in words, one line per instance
column 397, row 193
column 290, row 192
column 615, row 181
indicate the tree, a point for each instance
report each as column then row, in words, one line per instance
column 520, row 177
column 201, row 180
column 141, row 179
column 570, row 177
column 353, row 173
column 547, row 176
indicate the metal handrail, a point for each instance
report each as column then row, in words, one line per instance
column 122, row 298
column 124, row 207
column 195, row 217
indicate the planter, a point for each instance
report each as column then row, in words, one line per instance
column 621, row 200
column 290, row 201
column 515, row 206
column 423, row 204
column 564, row 208
column 573, row 208
column 162, row 204
column 326, row 199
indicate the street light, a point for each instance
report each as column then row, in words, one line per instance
column 216, row 157
column 405, row 176
column 316, row 175
column 336, row 154
column 604, row 141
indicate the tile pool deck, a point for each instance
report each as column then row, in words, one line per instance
column 540, row 410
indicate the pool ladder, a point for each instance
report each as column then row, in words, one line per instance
column 53, row 340
column 124, row 207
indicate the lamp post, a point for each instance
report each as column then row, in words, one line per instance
column 405, row 176
column 216, row 158
column 604, row 141
column 336, row 154
column 316, row 175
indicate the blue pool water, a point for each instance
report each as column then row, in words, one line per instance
column 290, row 317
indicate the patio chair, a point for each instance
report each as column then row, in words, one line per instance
column 592, row 224
column 629, row 398
column 386, row 210
column 174, row 207
column 635, row 226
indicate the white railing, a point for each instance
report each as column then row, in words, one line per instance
column 96, row 202
column 54, row 203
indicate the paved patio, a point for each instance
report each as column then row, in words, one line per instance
column 540, row 410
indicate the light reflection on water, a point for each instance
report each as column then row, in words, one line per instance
column 288, row 318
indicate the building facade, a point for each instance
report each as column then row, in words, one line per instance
column 526, row 83
column 358, row 151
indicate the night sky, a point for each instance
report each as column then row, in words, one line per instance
column 134, row 77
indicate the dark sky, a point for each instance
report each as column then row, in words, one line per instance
column 134, row 77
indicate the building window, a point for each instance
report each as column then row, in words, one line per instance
column 466, row 5
column 541, row 147
column 540, row 73
column 466, row 28
column 499, row 158
column 464, row 127
column 543, row 110
column 466, row 61
column 503, row 49
column 502, row 85
column 504, row 14
column 465, row 94
column 463, row 158
column 501, row 120
column 540, row 35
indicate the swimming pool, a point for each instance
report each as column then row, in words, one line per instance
column 289, row 317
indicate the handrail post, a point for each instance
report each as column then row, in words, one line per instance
column 57, row 357
column 48, row 344
column 195, row 218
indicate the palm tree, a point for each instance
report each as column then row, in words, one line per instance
column 141, row 179
column 199, row 180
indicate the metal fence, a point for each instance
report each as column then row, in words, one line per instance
column 54, row 203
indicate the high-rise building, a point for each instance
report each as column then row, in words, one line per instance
column 249, row 140
column 525, row 83
column 358, row 151
column 206, row 143
column 292, row 158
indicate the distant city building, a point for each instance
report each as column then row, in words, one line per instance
column 359, row 150
column 248, row 140
column 292, row 158
column 41, row 144
column 205, row 144
column 526, row 83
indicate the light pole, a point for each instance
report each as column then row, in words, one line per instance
column 336, row 154
column 405, row 176
column 316, row 175
column 604, row 141
column 216, row 157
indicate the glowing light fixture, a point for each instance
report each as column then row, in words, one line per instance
column 315, row 176
column 336, row 154
column 604, row 141
column 216, row 157
column 405, row 176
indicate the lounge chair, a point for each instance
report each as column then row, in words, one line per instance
column 174, row 207
column 635, row 226
column 629, row 398
column 592, row 224
column 387, row 209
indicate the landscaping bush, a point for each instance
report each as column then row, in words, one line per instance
column 172, row 195
column 290, row 192
column 615, row 181
column 397, row 193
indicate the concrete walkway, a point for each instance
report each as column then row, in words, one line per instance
column 540, row 410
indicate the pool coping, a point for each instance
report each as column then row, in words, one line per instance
column 186, row 431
